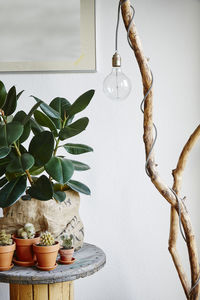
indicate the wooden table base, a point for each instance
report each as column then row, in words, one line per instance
column 53, row 291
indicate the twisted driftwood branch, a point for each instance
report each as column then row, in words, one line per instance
column 164, row 190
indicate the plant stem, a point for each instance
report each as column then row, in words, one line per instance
column 26, row 171
column 58, row 140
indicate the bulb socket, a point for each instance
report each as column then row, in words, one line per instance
column 116, row 60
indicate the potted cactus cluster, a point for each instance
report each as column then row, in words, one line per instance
column 46, row 252
column 34, row 249
column 7, row 248
column 67, row 250
column 24, row 239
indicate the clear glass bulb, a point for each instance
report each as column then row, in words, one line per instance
column 116, row 85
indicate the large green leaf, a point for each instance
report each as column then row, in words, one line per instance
column 35, row 127
column 11, row 102
column 78, row 187
column 9, row 133
column 73, row 129
column 3, row 94
column 60, row 169
column 61, row 105
column 81, row 103
column 79, row 166
column 59, row 196
column 48, row 110
column 45, row 121
column 12, row 191
column 41, row 147
column 42, row 189
column 35, row 170
column 4, row 151
column 77, row 148
column 20, row 116
column 21, row 163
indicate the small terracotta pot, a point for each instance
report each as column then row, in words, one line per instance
column 24, row 248
column 66, row 254
column 46, row 255
column 6, row 255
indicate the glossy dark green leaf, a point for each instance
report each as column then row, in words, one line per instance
column 73, row 129
column 59, row 196
column 4, row 161
column 19, row 94
column 2, row 170
column 21, row 163
column 60, row 169
column 77, row 148
column 36, row 170
column 79, row 166
column 3, row 94
column 31, row 112
column 78, row 187
column 61, row 105
column 35, row 127
column 12, row 191
column 81, row 103
column 41, row 147
column 45, row 121
column 11, row 102
column 48, row 110
column 3, row 181
column 42, row 189
column 4, row 151
column 14, row 131
column 20, row 116
column 10, row 133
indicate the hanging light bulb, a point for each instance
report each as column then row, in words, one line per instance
column 116, row 85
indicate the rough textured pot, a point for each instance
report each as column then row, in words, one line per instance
column 6, row 255
column 66, row 254
column 24, row 248
column 57, row 218
column 46, row 255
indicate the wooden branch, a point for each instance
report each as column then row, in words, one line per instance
column 192, row 249
column 174, row 220
column 164, row 190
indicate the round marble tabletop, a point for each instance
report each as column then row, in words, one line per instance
column 89, row 259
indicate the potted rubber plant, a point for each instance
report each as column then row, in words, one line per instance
column 67, row 250
column 24, row 239
column 7, row 248
column 46, row 252
column 32, row 164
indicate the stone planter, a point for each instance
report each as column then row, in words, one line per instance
column 57, row 218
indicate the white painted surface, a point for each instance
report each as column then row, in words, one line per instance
column 126, row 216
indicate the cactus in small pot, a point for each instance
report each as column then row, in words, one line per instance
column 5, row 239
column 46, row 251
column 25, row 238
column 47, row 239
column 67, row 250
column 7, row 248
column 26, row 232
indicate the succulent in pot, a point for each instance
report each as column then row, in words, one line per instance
column 24, row 239
column 46, row 251
column 7, row 248
column 67, row 250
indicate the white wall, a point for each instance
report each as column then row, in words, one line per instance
column 125, row 215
